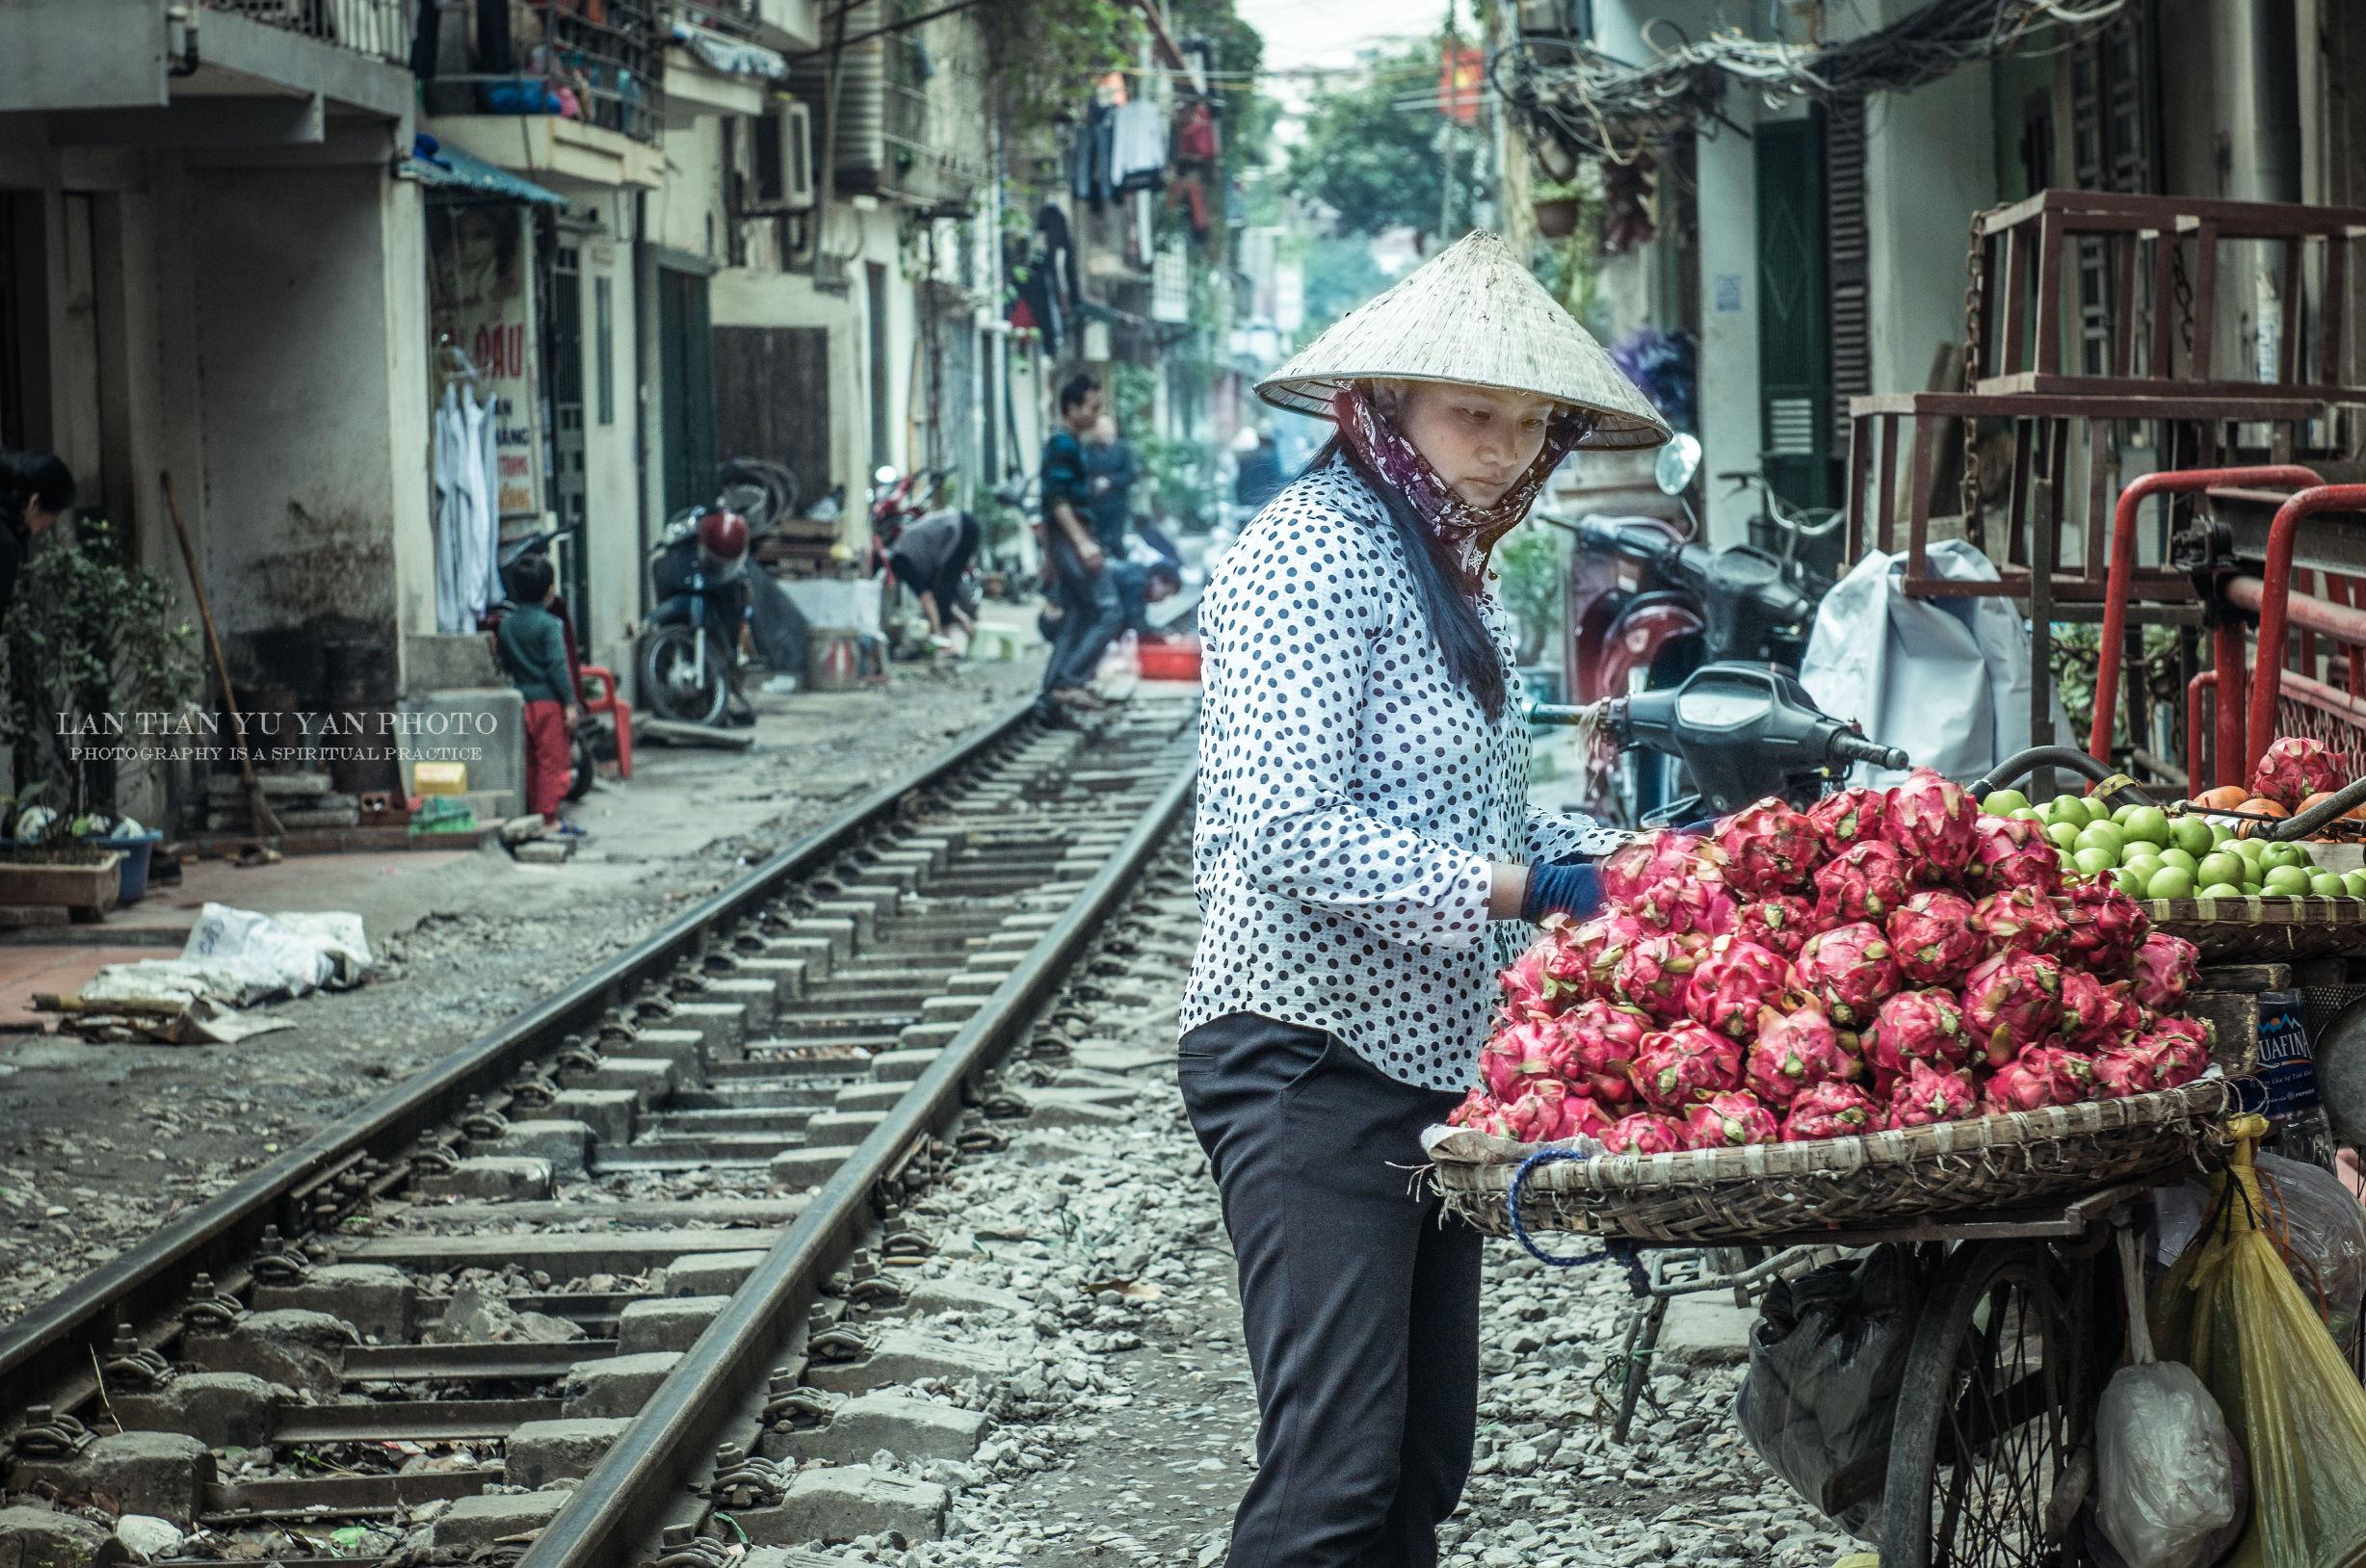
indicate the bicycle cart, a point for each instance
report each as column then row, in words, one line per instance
column 1999, row 1225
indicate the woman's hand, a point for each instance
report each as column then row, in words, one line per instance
column 1572, row 888
column 1507, row 890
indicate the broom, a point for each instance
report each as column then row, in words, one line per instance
column 259, row 816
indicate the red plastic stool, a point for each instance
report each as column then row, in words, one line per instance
column 618, row 710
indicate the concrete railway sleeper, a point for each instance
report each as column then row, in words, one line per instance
column 646, row 1236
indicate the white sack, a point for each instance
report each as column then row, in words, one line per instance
column 836, row 605
column 269, row 959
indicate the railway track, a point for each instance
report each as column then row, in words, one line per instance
column 647, row 1238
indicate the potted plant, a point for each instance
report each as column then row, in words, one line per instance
column 93, row 642
column 1558, row 205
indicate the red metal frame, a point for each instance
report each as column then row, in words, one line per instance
column 2119, row 578
column 2195, row 755
column 2271, row 595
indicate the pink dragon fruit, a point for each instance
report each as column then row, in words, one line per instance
column 1641, row 862
column 2102, row 926
column 1728, row 1121
column 2294, row 768
column 1926, row 1095
column 1932, row 821
column 2041, row 1075
column 1794, row 1051
column 1732, row 982
column 1770, row 847
column 1608, row 1038
column 2135, row 1067
column 2018, row 920
column 1654, row 974
column 1646, row 1131
column 1527, row 989
column 2010, row 851
column 1851, row 816
column 1864, row 881
column 2010, row 1001
column 1481, row 1113
column 1780, row 924
column 2184, row 1046
column 1830, row 1110
column 1934, row 938
column 1693, row 901
column 2163, row 969
column 1548, row 1112
column 2089, row 1010
column 1851, row 969
column 1916, row 1026
column 1584, row 958
column 1686, row 1062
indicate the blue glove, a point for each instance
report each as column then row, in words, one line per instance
column 1572, row 888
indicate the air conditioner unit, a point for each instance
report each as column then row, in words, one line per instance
column 783, row 138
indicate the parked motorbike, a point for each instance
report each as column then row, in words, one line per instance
column 1740, row 731
column 1649, row 604
column 688, row 655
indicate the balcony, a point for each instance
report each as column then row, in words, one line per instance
column 223, row 74
column 922, row 168
column 573, row 94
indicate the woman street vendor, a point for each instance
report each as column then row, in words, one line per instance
column 1363, row 843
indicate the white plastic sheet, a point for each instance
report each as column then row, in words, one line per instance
column 1945, row 679
column 836, row 605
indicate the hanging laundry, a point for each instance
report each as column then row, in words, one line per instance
column 1090, row 179
column 1137, row 148
column 467, row 520
column 1195, row 140
column 490, row 590
column 1190, row 192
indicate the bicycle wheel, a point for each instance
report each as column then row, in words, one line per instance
column 1991, row 1455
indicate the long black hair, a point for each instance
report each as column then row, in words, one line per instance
column 33, row 476
column 1473, row 658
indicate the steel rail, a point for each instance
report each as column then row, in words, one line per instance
column 616, row 1515
column 59, row 1339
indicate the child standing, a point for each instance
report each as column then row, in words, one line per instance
column 533, row 646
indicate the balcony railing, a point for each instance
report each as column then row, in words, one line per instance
column 378, row 28
column 921, row 164
column 598, row 62
column 739, row 18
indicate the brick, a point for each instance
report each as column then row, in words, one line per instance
column 907, row 1428
column 618, row 1386
column 1706, row 1331
column 669, row 1322
column 607, row 1113
column 799, row 1170
column 163, row 1473
column 489, row 1179
column 566, row 1146
column 41, row 1538
column 648, row 1078
column 543, row 852
column 303, row 1349
column 904, row 1356
column 378, row 1299
column 543, row 1452
column 840, row 1128
column 756, row 997
column 957, row 1294
column 219, row 1409
column 724, row 1024
column 1044, row 1110
column 839, row 1502
column 902, row 1066
column 685, row 1048
column 479, row 1520
column 716, row 1274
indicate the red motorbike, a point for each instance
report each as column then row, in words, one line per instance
column 1647, row 606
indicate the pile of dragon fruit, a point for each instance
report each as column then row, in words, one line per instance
column 1886, row 958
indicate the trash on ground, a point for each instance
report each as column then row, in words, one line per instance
column 233, row 958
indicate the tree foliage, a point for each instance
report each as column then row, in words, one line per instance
column 1041, row 55
column 1372, row 163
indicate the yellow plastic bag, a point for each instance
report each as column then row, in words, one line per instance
column 2229, row 1309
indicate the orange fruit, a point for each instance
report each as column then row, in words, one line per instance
column 2312, row 802
column 2226, row 797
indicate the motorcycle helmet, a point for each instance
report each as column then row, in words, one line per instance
column 723, row 542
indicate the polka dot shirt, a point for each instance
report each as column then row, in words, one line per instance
column 1351, row 795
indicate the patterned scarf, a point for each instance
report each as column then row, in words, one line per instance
column 1469, row 532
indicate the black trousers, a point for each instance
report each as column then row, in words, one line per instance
column 1360, row 1311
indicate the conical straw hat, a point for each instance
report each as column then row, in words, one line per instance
column 1470, row 314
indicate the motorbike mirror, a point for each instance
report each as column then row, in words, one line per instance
column 1677, row 464
column 886, row 474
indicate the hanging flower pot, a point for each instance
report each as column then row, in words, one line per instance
column 1557, row 219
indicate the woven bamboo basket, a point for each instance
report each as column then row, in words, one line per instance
column 2313, row 926
column 1881, row 1179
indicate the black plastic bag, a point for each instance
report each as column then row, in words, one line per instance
column 1826, row 1359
